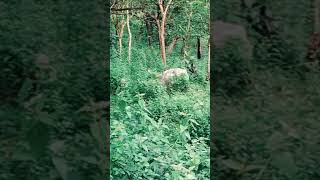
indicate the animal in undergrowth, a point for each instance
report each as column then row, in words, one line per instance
column 168, row 75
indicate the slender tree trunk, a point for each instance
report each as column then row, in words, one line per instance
column 162, row 30
column 130, row 37
column 163, row 46
column 209, row 50
column 173, row 45
column 198, row 48
column 159, row 34
column 119, row 28
column 184, row 48
column 149, row 30
column 120, row 37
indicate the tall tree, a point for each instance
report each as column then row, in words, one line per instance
column 160, row 16
column 161, row 23
column 120, row 24
column 130, row 36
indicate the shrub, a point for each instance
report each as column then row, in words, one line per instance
column 179, row 83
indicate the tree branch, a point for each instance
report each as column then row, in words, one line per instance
column 167, row 6
column 164, row 15
column 150, row 15
column 161, row 6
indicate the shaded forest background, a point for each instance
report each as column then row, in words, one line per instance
column 53, row 89
column 265, row 116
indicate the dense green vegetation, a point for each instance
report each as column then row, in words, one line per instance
column 266, row 117
column 155, row 134
column 159, row 132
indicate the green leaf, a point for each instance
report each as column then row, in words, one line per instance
column 182, row 128
column 145, row 147
column 141, row 103
column 122, row 105
column 187, row 134
column 194, row 121
column 128, row 108
column 191, row 176
column 153, row 122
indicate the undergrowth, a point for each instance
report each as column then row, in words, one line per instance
column 156, row 134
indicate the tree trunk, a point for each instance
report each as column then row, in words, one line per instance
column 208, row 72
column 161, row 27
column 198, row 48
column 184, row 48
column 130, row 37
column 120, row 37
column 173, row 45
column 163, row 45
column 119, row 28
column 159, row 34
column 209, row 50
